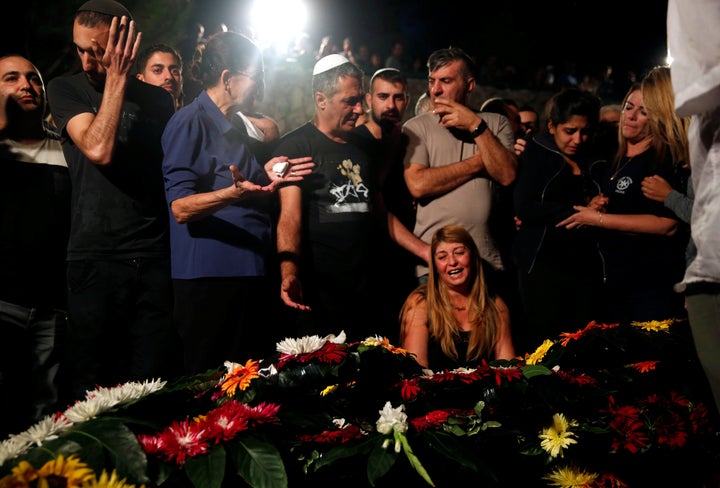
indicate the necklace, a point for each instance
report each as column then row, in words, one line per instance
column 617, row 171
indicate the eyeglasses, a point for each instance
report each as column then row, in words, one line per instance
column 257, row 76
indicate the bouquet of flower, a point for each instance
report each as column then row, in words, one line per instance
column 607, row 406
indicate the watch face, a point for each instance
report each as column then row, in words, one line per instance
column 479, row 129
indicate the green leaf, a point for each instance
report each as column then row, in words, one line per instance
column 414, row 461
column 207, row 471
column 346, row 451
column 106, row 443
column 258, row 462
column 535, row 370
column 450, row 447
column 380, row 461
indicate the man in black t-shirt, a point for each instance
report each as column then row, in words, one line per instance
column 119, row 286
column 327, row 222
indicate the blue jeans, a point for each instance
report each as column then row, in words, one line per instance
column 32, row 349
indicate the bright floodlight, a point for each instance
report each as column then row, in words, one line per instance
column 669, row 58
column 277, row 23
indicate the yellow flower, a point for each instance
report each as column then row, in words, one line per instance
column 108, row 482
column 240, row 377
column 328, row 390
column 558, row 437
column 385, row 343
column 23, row 472
column 566, row 477
column 540, row 352
column 72, row 469
column 654, row 325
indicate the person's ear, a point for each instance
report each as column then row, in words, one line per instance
column 321, row 100
column 140, row 77
column 471, row 84
column 225, row 77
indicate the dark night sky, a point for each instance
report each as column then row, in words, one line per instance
column 627, row 34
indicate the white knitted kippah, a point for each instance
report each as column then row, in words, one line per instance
column 329, row 62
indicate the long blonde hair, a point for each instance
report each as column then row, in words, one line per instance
column 668, row 131
column 482, row 310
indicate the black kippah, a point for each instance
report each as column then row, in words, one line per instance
column 107, row 7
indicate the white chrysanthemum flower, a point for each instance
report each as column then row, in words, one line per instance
column 463, row 370
column 14, row 446
column 392, row 419
column 89, row 409
column 125, row 393
column 39, row 433
column 136, row 390
column 307, row 344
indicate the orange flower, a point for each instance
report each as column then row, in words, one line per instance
column 644, row 366
column 240, row 377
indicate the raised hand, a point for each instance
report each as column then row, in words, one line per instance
column 122, row 46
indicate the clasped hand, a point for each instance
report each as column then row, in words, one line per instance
column 586, row 215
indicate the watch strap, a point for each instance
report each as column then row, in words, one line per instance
column 482, row 127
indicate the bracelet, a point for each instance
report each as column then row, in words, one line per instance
column 600, row 218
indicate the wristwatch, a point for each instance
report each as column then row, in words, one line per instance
column 482, row 127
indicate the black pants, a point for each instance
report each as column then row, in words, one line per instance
column 120, row 323
column 226, row 319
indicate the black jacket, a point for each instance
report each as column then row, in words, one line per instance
column 540, row 167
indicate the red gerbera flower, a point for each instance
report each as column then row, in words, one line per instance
column 182, row 440
column 224, row 422
column 409, row 389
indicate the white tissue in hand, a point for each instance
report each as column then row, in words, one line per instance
column 281, row 169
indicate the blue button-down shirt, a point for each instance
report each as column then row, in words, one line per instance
column 199, row 145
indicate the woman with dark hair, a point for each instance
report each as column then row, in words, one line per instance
column 559, row 270
column 452, row 320
column 218, row 192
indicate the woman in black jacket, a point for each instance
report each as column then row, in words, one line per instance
column 560, row 270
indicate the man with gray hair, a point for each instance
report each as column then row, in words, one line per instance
column 326, row 224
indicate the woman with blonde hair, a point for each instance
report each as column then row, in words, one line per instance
column 453, row 320
column 643, row 242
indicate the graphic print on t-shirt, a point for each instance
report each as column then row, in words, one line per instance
column 352, row 194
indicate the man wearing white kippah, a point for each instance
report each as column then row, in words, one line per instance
column 327, row 222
